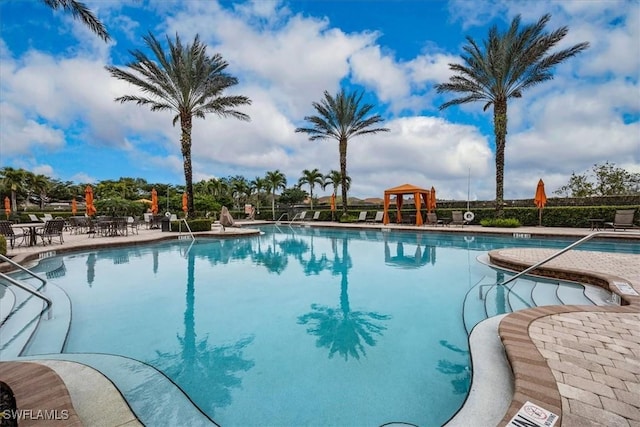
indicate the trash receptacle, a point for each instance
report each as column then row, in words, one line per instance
column 166, row 224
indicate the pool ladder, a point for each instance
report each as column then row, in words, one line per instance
column 26, row 288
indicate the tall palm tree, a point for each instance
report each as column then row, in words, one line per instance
column 502, row 68
column 258, row 184
column 311, row 178
column 342, row 118
column 80, row 11
column 334, row 178
column 38, row 184
column 275, row 181
column 186, row 81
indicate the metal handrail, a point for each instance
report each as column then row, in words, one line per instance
column 560, row 252
column 282, row 216
column 188, row 228
column 34, row 292
column 26, row 270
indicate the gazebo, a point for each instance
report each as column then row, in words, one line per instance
column 399, row 191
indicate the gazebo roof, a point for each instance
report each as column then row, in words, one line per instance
column 406, row 189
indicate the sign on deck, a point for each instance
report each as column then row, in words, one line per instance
column 532, row 415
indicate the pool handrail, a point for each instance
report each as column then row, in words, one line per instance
column 566, row 249
column 188, row 228
column 20, row 285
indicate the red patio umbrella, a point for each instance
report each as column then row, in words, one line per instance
column 74, row 206
column 7, row 206
column 185, row 204
column 88, row 197
column 432, row 199
column 540, row 200
column 154, row 201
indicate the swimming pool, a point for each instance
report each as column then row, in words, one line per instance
column 299, row 326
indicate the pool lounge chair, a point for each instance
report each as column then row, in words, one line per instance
column 378, row 218
column 622, row 220
column 300, row 216
column 457, row 218
column 316, row 216
column 432, row 219
column 34, row 218
column 363, row 216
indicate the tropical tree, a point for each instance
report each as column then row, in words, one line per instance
column 187, row 82
column 80, row 11
column 13, row 181
column 311, row 178
column 604, row 179
column 502, row 68
column 275, row 181
column 258, row 185
column 334, row 178
column 341, row 118
column 38, row 185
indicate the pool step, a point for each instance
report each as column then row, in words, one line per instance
column 20, row 323
column 520, row 294
column 545, row 293
column 473, row 310
column 7, row 302
column 573, row 294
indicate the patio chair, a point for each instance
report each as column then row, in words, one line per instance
column 457, row 218
column 622, row 220
column 133, row 224
column 363, row 216
column 10, row 234
column 378, row 218
column 47, row 217
column 299, row 216
column 316, row 216
column 432, row 219
column 51, row 229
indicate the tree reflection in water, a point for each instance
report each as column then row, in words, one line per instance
column 342, row 330
column 462, row 380
column 206, row 373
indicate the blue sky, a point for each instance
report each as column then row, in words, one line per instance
column 58, row 117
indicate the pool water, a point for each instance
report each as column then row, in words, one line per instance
column 297, row 326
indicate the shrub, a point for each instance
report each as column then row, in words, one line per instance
column 202, row 224
column 348, row 218
column 500, row 222
column 3, row 245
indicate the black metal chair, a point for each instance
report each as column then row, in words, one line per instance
column 52, row 229
column 9, row 233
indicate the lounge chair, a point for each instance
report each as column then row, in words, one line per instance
column 432, row 219
column 300, row 216
column 10, row 234
column 47, row 217
column 363, row 216
column 51, row 229
column 316, row 216
column 457, row 218
column 34, row 218
column 378, row 218
column 622, row 220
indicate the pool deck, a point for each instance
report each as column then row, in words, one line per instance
column 580, row 362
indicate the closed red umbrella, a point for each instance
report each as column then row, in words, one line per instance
column 540, row 200
column 74, row 206
column 432, row 199
column 154, row 201
column 88, row 197
column 185, row 204
column 7, row 206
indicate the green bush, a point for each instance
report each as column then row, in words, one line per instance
column 500, row 222
column 202, row 224
column 3, row 245
column 348, row 218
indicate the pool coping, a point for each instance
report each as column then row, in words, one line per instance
column 534, row 380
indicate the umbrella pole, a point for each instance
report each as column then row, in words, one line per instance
column 540, row 217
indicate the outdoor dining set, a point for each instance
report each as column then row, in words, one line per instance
column 51, row 230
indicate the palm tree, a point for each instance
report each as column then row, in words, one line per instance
column 506, row 65
column 38, row 184
column 342, row 118
column 275, row 181
column 258, row 184
column 80, row 11
column 311, row 178
column 187, row 82
column 13, row 180
column 334, row 178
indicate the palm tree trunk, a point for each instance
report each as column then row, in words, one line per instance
column 273, row 204
column 500, row 132
column 311, row 195
column 343, row 170
column 185, row 141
